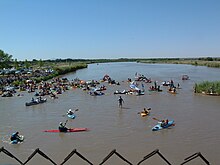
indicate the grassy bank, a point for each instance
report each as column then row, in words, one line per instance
column 62, row 69
column 209, row 62
column 206, row 87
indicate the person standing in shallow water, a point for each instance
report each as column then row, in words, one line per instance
column 120, row 101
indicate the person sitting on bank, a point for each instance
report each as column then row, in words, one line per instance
column 62, row 127
column 15, row 136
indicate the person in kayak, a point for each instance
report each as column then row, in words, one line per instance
column 120, row 101
column 62, row 127
column 15, row 136
column 164, row 122
column 146, row 111
column 70, row 112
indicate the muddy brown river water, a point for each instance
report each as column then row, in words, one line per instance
column 196, row 119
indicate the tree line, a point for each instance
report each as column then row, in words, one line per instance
column 6, row 61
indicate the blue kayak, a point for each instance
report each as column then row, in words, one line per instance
column 160, row 126
column 72, row 116
column 21, row 139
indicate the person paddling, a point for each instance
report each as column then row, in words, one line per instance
column 70, row 112
column 146, row 111
column 16, row 136
column 62, row 127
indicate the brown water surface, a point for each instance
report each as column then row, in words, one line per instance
column 196, row 117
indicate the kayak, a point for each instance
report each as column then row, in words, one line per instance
column 144, row 114
column 69, row 130
column 72, row 116
column 35, row 102
column 17, row 141
column 159, row 127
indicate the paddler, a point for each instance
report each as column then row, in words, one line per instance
column 62, row 127
column 15, row 136
column 70, row 112
column 146, row 111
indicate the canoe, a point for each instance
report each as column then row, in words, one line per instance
column 69, row 130
column 36, row 102
column 18, row 142
column 72, row 116
column 159, row 127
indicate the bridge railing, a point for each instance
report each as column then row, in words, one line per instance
column 113, row 152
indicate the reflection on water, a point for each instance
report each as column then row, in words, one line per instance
column 196, row 118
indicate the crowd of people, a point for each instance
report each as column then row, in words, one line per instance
column 59, row 85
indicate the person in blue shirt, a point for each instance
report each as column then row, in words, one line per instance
column 15, row 136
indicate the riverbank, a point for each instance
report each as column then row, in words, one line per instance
column 62, row 66
column 208, row 88
column 209, row 62
column 22, row 79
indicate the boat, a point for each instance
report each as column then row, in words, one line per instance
column 73, row 116
column 172, row 92
column 69, row 130
column 7, row 94
column 161, row 126
column 143, row 114
column 21, row 137
column 121, row 92
column 152, row 88
column 35, row 102
column 96, row 93
column 165, row 83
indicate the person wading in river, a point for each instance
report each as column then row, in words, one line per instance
column 120, row 101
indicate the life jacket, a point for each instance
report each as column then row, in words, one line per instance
column 13, row 136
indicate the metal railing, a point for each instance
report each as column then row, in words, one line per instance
column 113, row 152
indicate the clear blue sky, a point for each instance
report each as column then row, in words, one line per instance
column 88, row 29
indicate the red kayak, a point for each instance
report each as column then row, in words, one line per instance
column 69, row 130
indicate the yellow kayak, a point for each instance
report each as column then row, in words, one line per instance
column 144, row 114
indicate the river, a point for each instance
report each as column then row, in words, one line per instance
column 196, row 119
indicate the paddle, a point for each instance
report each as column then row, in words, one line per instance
column 156, row 119
column 65, row 123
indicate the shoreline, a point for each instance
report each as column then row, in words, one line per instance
column 62, row 68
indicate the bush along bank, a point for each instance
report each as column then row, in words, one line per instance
column 209, row 88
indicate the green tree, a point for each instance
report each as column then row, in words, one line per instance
column 5, row 60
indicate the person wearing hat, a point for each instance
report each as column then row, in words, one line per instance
column 62, row 127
